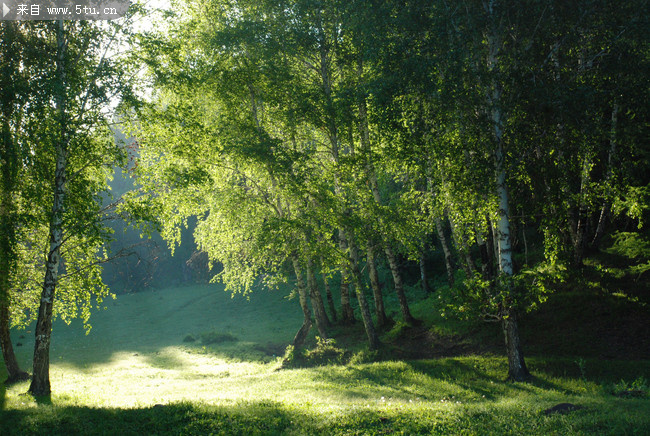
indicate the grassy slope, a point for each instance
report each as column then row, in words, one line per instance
column 134, row 358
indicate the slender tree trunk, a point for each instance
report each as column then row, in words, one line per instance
column 373, row 339
column 15, row 374
column 523, row 237
column 607, row 204
column 9, row 163
column 399, row 287
column 492, row 249
column 380, row 312
column 41, row 374
column 330, row 298
column 516, row 365
column 7, row 257
column 517, row 369
column 463, row 251
column 302, row 333
column 347, row 314
column 449, row 265
column 423, row 272
column 322, row 322
column 578, row 224
column 374, row 187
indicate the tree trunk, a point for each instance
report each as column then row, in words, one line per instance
column 578, row 223
column 10, row 166
column 449, row 265
column 380, row 312
column 330, row 298
column 373, row 339
column 322, row 322
column 516, row 366
column 492, row 249
column 423, row 272
column 41, row 374
column 607, row 204
column 399, row 287
column 486, row 267
column 347, row 314
column 301, row 336
column 15, row 374
column 517, row 370
column 374, row 187
column 461, row 245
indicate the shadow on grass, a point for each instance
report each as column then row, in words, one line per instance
column 595, row 370
column 43, row 400
column 183, row 418
column 3, row 396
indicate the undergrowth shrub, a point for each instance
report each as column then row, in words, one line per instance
column 208, row 338
column 324, row 353
column 637, row 389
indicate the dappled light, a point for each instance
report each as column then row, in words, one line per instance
column 318, row 217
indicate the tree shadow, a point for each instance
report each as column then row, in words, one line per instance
column 3, row 396
column 182, row 418
column 43, row 400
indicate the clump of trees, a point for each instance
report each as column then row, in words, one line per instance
column 309, row 139
column 319, row 135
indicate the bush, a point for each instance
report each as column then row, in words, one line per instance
column 637, row 389
column 189, row 338
column 217, row 338
column 325, row 352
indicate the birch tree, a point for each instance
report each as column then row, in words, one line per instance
column 76, row 139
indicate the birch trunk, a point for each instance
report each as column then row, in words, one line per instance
column 578, row 225
column 374, row 187
column 399, row 287
column 41, row 374
column 517, row 369
column 322, row 322
column 330, row 299
column 10, row 164
column 447, row 252
column 347, row 314
column 14, row 373
column 380, row 312
column 606, row 208
column 8, row 256
column 516, row 365
column 373, row 339
column 423, row 272
column 302, row 333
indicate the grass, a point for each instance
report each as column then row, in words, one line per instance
column 134, row 374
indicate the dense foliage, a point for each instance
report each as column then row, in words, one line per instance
column 310, row 136
column 327, row 142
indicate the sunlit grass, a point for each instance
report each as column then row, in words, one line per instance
column 134, row 374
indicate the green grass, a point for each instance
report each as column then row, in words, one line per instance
column 133, row 374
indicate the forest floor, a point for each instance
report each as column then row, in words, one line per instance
column 194, row 360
